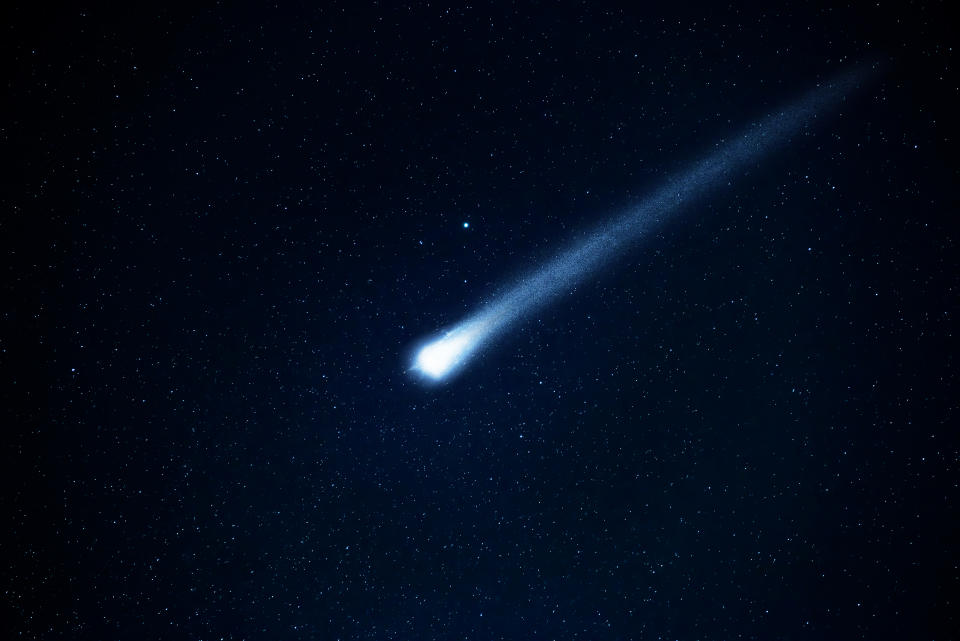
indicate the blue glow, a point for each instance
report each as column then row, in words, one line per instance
column 438, row 359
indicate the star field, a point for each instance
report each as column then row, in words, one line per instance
column 227, row 231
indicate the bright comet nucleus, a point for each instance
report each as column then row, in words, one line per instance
column 439, row 358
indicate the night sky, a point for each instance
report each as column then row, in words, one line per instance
column 226, row 230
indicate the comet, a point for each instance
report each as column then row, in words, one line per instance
column 439, row 358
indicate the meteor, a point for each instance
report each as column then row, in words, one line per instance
column 441, row 357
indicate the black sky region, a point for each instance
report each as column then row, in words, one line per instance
column 224, row 229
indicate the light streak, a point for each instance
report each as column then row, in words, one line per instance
column 441, row 357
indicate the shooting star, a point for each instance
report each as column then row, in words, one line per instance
column 439, row 358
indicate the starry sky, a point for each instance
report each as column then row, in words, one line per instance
column 225, row 230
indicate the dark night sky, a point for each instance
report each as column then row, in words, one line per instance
column 224, row 230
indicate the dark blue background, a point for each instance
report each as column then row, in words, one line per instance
column 224, row 231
